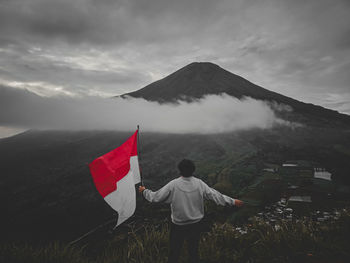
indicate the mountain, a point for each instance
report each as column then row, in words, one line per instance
column 203, row 78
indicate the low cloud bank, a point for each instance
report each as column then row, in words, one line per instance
column 211, row 114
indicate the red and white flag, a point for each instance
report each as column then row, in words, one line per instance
column 115, row 175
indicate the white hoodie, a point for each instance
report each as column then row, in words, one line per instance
column 185, row 196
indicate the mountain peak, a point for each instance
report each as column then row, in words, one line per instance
column 195, row 81
column 199, row 79
column 202, row 66
column 201, row 69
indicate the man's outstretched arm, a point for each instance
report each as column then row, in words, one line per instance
column 219, row 198
column 161, row 195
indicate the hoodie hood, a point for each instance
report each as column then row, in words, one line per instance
column 187, row 184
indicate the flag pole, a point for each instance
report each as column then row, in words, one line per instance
column 139, row 152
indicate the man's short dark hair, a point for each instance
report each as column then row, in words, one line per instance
column 186, row 168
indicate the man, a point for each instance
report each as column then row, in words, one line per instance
column 185, row 196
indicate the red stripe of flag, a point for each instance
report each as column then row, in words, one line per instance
column 111, row 167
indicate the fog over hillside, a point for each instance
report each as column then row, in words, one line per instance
column 211, row 114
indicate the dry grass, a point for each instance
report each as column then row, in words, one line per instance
column 304, row 241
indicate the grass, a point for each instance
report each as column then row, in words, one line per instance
column 54, row 252
column 302, row 241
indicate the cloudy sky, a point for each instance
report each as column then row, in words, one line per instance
column 300, row 48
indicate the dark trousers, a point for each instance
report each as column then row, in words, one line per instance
column 180, row 233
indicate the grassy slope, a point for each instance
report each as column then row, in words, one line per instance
column 303, row 241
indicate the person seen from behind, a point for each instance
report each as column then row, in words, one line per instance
column 186, row 195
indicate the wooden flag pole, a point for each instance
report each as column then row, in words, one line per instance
column 139, row 152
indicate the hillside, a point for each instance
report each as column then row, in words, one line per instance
column 48, row 193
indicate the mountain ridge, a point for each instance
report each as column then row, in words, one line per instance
column 199, row 79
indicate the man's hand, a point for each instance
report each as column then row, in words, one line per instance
column 141, row 188
column 238, row 203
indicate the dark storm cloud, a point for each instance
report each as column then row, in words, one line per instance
column 46, row 19
column 297, row 48
column 101, row 22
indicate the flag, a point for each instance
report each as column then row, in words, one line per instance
column 115, row 175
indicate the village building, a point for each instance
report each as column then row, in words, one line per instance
column 298, row 198
column 272, row 170
column 322, row 173
column 290, row 164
